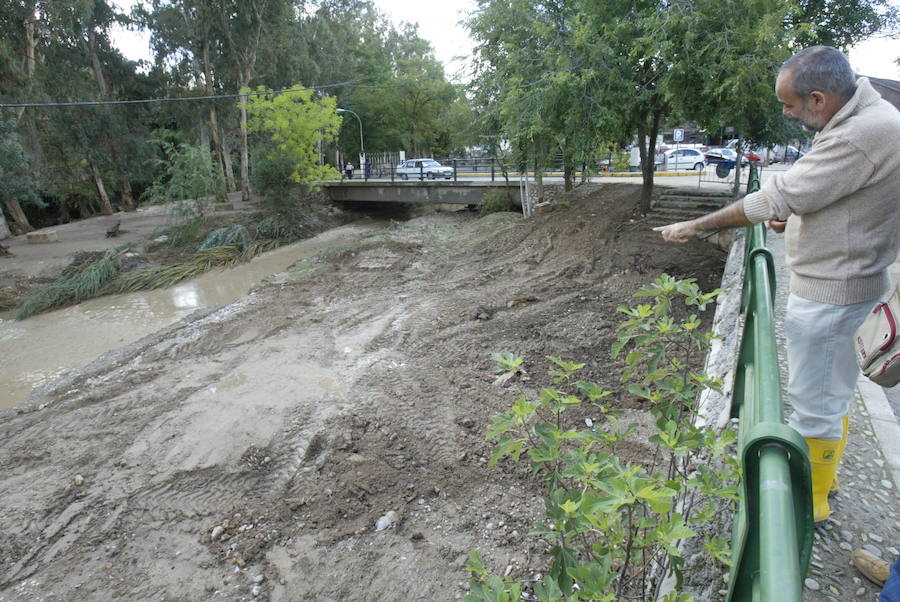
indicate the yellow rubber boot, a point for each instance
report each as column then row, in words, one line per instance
column 823, row 457
column 845, row 423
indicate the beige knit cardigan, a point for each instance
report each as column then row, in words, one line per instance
column 842, row 203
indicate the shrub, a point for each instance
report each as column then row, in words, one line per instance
column 235, row 235
column 610, row 523
column 494, row 201
column 620, row 161
column 189, row 181
column 272, row 172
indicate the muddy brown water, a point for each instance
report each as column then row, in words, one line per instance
column 42, row 348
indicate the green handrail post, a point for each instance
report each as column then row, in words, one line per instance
column 772, row 534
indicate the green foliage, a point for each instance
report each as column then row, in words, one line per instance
column 609, row 522
column 840, row 24
column 278, row 227
column 294, row 124
column 235, row 235
column 187, row 232
column 16, row 183
column 620, row 161
column 223, row 247
column 168, row 275
column 272, row 173
column 189, row 181
column 494, row 201
column 73, row 286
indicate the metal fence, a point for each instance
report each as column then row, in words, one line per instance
column 487, row 167
column 773, row 527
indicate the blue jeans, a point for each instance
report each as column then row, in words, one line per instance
column 821, row 363
column 891, row 591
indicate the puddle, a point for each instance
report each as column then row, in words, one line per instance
column 40, row 349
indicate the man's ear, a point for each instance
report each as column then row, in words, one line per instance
column 818, row 99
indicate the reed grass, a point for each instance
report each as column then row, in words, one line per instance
column 224, row 247
column 87, row 281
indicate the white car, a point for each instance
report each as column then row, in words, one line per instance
column 423, row 168
column 681, row 159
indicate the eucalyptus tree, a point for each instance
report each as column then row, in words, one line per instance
column 17, row 186
column 183, row 37
column 532, row 83
column 245, row 28
column 77, row 62
column 18, row 63
column 839, row 23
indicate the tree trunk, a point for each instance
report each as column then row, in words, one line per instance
column 33, row 145
column 648, row 161
column 245, row 154
column 97, row 67
column 64, row 217
column 538, row 181
column 105, row 207
column 213, row 117
column 29, row 55
column 127, row 195
column 226, row 157
column 4, row 229
column 736, row 187
column 567, row 176
column 204, row 136
column 20, row 224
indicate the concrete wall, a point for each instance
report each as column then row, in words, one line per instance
column 453, row 193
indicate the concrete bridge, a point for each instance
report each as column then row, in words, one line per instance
column 460, row 192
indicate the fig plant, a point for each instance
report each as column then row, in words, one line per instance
column 614, row 527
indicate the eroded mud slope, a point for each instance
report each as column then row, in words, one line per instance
column 247, row 453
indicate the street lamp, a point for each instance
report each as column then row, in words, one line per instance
column 362, row 148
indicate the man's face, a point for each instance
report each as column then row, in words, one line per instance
column 796, row 107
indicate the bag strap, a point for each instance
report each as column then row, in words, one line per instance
column 892, row 324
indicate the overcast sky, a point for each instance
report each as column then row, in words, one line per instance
column 439, row 23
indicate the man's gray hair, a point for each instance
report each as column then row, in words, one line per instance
column 821, row 68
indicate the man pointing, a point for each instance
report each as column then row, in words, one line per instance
column 839, row 206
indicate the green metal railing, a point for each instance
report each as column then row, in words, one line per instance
column 773, row 527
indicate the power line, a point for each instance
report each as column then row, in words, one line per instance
column 83, row 103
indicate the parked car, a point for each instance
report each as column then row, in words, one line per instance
column 725, row 155
column 679, row 159
column 753, row 153
column 787, row 154
column 423, row 168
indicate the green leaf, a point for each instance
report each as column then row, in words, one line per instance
column 548, row 591
column 475, row 564
column 570, row 506
column 507, row 446
column 592, row 391
column 506, row 361
column 563, row 559
column 659, row 498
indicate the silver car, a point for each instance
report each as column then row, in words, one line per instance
column 679, row 159
column 423, row 168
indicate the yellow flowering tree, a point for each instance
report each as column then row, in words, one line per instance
column 291, row 125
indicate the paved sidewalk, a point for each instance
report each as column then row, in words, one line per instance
column 865, row 512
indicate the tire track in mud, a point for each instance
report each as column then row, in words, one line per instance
column 110, row 408
column 384, row 355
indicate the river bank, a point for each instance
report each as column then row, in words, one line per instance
column 248, row 451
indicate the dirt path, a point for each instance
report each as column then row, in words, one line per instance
column 247, row 452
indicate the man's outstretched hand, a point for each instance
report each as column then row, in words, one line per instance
column 777, row 225
column 679, row 232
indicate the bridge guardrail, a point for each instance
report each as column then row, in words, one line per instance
column 773, row 528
